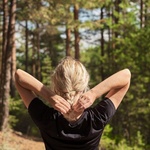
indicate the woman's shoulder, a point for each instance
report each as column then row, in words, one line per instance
column 103, row 110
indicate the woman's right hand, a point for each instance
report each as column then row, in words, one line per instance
column 60, row 104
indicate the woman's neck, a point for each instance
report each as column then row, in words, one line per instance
column 72, row 116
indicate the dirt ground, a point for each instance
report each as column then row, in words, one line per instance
column 17, row 141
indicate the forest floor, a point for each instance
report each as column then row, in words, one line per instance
column 17, row 141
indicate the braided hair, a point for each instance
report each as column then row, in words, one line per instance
column 70, row 78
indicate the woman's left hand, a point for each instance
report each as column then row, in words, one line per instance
column 60, row 104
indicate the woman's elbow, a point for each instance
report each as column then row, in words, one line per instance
column 127, row 75
column 17, row 75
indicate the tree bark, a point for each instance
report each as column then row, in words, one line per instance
column 76, row 33
column 0, row 64
column 38, row 61
column 4, row 43
column 67, row 42
column 26, row 46
column 13, row 58
column 116, row 19
column 143, row 9
column 146, row 13
column 102, row 46
column 7, row 66
column 33, row 70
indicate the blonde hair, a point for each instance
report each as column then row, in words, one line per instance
column 70, row 78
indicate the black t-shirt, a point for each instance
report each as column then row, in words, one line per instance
column 59, row 134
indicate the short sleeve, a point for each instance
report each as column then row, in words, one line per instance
column 104, row 111
column 39, row 111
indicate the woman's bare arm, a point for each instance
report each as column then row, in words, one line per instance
column 29, row 87
column 115, row 86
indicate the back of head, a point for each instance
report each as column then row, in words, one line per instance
column 70, row 78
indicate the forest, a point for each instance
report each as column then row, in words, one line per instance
column 106, row 36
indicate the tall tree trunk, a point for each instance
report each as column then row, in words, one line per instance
column 141, row 13
column 109, row 39
column 115, row 32
column 116, row 19
column 112, row 31
column 13, row 58
column 67, row 42
column 4, row 43
column 26, row 46
column 7, row 69
column 146, row 13
column 68, row 34
column 38, row 61
column 33, row 69
column 76, row 32
column 102, row 47
column 0, row 64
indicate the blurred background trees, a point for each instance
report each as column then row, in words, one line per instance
column 105, row 35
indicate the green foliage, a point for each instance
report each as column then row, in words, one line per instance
column 93, row 61
column 108, row 143
column 46, row 70
column 14, row 106
column 19, row 118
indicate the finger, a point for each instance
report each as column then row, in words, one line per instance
column 61, row 108
column 64, row 103
column 83, row 101
column 79, row 101
column 61, row 103
column 59, row 99
column 79, row 110
column 82, row 104
column 65, row 108
column 78, row 107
